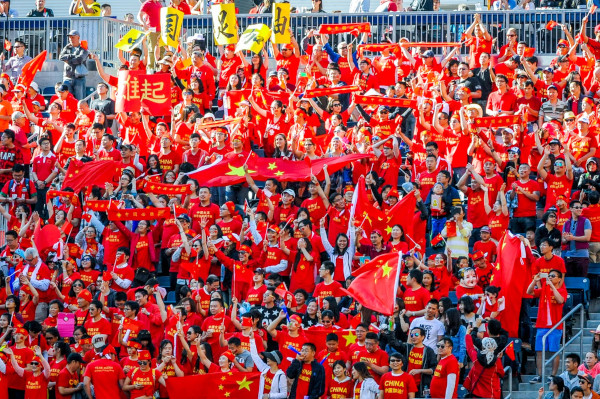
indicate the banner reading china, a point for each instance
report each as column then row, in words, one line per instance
column 390, row 102
column 254, row 38
column 224, row 24
column 139, row 214
column 329, row 29
column 280, row 25
column 136, row 89
column 330, row 91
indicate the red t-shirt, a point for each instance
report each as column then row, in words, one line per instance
column 541, row 265
column 488, row 249
column 397, row 386
column 23, row 356
column 477, row 215
column 415, row 362
column 416, row 300
column 36, row 387
column 556, row 186
column 445, row 367
column 66, row 380
column 168, row 161
column 323, row 290
column 549, row 306
column 380, row 358
column 526, row 206
column 105, row 375
column 304, row 381
column 149, row 380
column 284, row 340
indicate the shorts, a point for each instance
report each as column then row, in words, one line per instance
column 552, row 341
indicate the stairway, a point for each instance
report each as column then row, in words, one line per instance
column 525, row 390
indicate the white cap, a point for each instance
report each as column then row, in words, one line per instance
column 209, row 115
column 35, row 87
column 584, row 119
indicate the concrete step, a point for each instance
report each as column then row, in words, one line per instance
column 521, row 395
column 527, row 387
column 591, row 324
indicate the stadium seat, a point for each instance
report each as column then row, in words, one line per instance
column 164, row 281
column 462, row 392
column 579, row 288
column 453, row 297
column 170, row 299
column 594, row 269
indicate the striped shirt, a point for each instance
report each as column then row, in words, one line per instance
column 551, row 112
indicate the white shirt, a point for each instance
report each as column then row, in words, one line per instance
column 433, row 328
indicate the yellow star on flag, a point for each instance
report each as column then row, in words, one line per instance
column 350, row 338
column 388, row 229
column 223, row 378
column 386, row 270
column 244, row 384
column 221, row 387
column 239, row 171
column 272, row 166
column 227, row 394
column 278, row 173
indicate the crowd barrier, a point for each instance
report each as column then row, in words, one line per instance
column 102, row 34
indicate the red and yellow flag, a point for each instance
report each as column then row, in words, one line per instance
column 215, row 385
column 162, row 188
column 497, row 121
column 330, row 91
column 139, row 214
column 390, row 102
column 355, row 29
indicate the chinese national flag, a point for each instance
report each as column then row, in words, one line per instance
column 330, row 91
column 401, row 214
column 510, row 351
column 45, row 237
column 318, row 337
column 355, row 29
column 450, row 229
column 195, row 269
column 551, row 25
column 31, row 68
column 497, row 121
column 511, row 266
column 169, row 189
column 80, row 175
column 364, row 213
column 376, row 283
column 215, row 386
column 136, row 90
column 7, row 45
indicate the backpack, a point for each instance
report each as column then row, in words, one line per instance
column 11, row 185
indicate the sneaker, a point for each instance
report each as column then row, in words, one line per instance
column 536, row 380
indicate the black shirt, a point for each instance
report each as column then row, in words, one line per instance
column 486, row 82
column 471, row 83
column 40, row 14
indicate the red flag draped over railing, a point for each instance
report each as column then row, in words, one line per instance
column 332, row 29
column 215, row 386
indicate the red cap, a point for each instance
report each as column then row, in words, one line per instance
column 296, row 318
column 144, row 355
column 85, row 295
column 230, row 207
column 388, row 144
column 589, row 101
column 563, row 41
column 228, row 355
column 393, row 193
column 21, row 331
column 85, row 341
column 134, row 344
column 274, row 228
column 377, row 231
column 230, row 47
column 289, row 46
column 489, row 159
column 26, row 289
column 300, row 112
column 477, row 255
column 109, row 350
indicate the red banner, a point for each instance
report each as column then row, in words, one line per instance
column 210, row 125
column 363, row 27
column 55, row 193
column 427, row 44
column 162, row 188
column 329, row 91
column 215, row 386
column 498, row 121
column 377, row 47
column 101, row 205
column 137, row 90
column 390, row 102
column 139, row 214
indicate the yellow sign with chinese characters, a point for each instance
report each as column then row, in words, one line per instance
column 224, row 24
column 280, row 27
column 171, row 21
column 131, row 40
column 254, row 38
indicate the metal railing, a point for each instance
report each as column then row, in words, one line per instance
column 508, row 372
column 562, row 322
column 102, row 34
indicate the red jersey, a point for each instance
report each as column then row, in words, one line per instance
column 445, row 367
column 379, row 358
column 105, row 375
column 397, row 386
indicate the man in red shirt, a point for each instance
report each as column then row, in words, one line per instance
column 151, row 315
column 415, row 297
column 552, row 297
column 10, row 155
column 527, row 192
column 106, row 374
column 444, row 383
column 288, row 58
column 502, row 101
column 169, row 159
column 374, row 357
column 559, row 182
column 43, row 173
column 19, row 190
column 228, row 65
column 397, row 384
column 204, row 209
column 69, row 379
column 307, row 373
column 107, row 149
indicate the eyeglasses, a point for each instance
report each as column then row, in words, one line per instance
column 415, row 335
column 552, row 276
column 343, row 48
column 511, row 35
column 559, row 164
column 77, row 285
column 28, row 260
column 570, row 120
column 188, row 333
column 143, row 363
column 395, row 360
column 336, row 105
column 576, row 207
column 34, row 363
column 383, row 112
column 441, row 346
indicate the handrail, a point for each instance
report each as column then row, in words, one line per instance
column 508, row 371
column 563, row 346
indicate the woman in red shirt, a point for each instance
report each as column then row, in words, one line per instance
column 340, row 386
column 36, row 380
column 166, row 363
column 398, row 240
column 29, row 298
column 61, row 351
column 498, row 215
column 304, row 265
column 143, row 380
column 142, row 245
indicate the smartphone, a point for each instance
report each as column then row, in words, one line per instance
column 544, row 275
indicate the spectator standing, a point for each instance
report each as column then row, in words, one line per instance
column 307, row 374
column 85, row 8
column 149, row 16
column 14, row 65
column 6, row 10
column 577, row 232
column 444, row 383
column 484, row 379
column 74, row 57
column 430, row 324
column 40, row 10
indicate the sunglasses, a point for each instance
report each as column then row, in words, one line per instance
column 576, row 207
column 552, row 276
column 414, row 335
column 34, row 363
column 441, row 346
column 570, row 120
column 77, row 285
column 143, row 363
column 395, row 360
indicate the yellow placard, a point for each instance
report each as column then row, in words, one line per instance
column 131, row 40
column 224, row 24
column 254, row 38
column 280, row 27
column 171, row 21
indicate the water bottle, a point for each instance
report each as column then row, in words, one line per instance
column 426, row 392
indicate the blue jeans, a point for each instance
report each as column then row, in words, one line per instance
column 237, row 194
column 76, row 86
column 218, row 195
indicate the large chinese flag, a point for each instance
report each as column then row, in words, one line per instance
column 137, row 90
column 318, row 336
column 376, row 283
column 402, row 214
column 31, row 68
column 215, row 386
column 511, row 273
column 80, row 175
column 365, row 214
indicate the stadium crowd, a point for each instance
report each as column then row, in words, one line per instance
column 247, row 277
